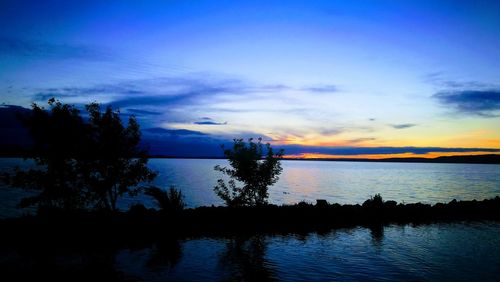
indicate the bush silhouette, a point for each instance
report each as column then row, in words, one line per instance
column 249, row 168
column 171, row 200
column 81, row 164
column 374, row 202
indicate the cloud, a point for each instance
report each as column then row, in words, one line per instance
column 45, row 96
column 464, row 84
column 474, row 102
column 403, row 125
column 351, row 151
column 143, row 112
column 440, row 80
column 275, row 87
column 184, row 142
column 45, row 50
column 174, row 132
column 208, row 122
column 152, row 92
column 193, row 90
column 154, row 100
column 359, row 140
column 331, row 131
column 329, row 88
column 210, row 146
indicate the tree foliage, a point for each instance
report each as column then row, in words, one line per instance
column 81, row 163
column 117, row 165
column 254, row 167
column 169, row 201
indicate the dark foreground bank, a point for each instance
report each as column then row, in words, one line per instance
column 139, row 223
column 84, row 246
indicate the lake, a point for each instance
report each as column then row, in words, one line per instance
column 343, row 182
column 337, row 182
column 461, row 251
column 438, row 252
column 467, row 251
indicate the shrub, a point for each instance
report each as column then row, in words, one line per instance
column 171, row 200
column 374, row 202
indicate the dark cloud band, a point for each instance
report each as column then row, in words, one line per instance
column 477, row 102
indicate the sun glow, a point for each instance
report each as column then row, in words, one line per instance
column 429, row 155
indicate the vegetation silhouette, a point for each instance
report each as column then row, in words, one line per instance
column 58, row 138
column 168, row 201
column 97, row 231
column 81, row 163
column 374, row 202
column 118, row 165
column 252, row 165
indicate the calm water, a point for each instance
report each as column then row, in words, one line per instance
column 343, row 182
column 439, row 252
column 446, row 252
column 339, row 182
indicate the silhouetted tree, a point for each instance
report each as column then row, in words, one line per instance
column 117, row 164
column 81, row 163
column 59, row 139
column 255, row 169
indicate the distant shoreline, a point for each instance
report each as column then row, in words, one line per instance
column 468, row 159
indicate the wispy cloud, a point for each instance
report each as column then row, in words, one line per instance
column 403, row 125
column 330, row 131
column 209, row 121
column 45, row 50
column 174, row 132
column 143, row 112
column 359, row 140
column 440, row 80
column 329, row 88
column 189, row 90
column 154, row 93
column 474, row 102
column 349, row 151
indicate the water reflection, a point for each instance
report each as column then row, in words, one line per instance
column 244, row 260
column 49, row 264
column 164, row 255
column 88, row 262
column 377, row 234
column 443, row 252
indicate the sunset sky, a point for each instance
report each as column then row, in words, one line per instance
column 318, row 78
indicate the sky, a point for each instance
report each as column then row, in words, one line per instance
column 317, row 78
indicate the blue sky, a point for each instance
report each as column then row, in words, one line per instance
column 313, row 76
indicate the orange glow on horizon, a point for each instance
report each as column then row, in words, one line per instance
column 477, row 138
column 429, row 155
column 462, row 143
